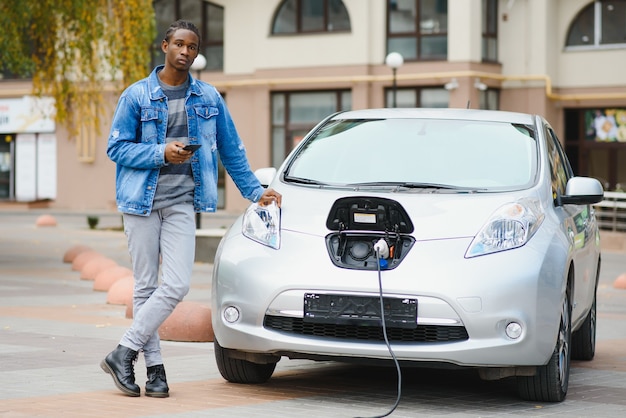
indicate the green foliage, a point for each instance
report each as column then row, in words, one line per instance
column 93, row 221
column 75, row 49
column 14, row 17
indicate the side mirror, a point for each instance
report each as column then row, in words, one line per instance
column 582, row 191
column 265, row 175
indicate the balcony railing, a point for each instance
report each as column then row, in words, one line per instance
column 611, row 212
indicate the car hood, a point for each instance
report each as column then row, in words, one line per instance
column 434, row 215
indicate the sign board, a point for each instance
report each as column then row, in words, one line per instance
column 606, row 125
column 26, row 115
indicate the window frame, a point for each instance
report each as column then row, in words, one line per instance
column 489, row 33
column 416, row 33
column 289, row 128
column 299, row 15
column 418, row 90
column 489, row 99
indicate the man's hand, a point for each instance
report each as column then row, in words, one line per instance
column 269, row 196
column 175, row 154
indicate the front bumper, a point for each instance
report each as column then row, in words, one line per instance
column 478, row 297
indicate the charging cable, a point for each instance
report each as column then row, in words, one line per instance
column 382, row 252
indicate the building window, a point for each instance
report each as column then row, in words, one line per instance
column 601, row 23
column 310, row 16
column 418, row 97
column 490, row 30
column 208, row 17
column 418, row 29
column 489, row 99
column 294, row 114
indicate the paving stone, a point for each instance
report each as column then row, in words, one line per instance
column 55, row 329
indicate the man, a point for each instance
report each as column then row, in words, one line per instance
column 159, row 187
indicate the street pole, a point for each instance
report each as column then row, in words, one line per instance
column 394, row 60
column 395, row 88
column 198, row 65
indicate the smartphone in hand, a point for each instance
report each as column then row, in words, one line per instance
column 192, row 147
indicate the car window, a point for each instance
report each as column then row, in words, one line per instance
column 458, row 153
column 560, row 170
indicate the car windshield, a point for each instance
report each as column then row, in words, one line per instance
column 417, row 153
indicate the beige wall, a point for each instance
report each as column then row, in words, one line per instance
column 85, row 183
column 250, row 108
column 250, row 47
column 464, row 31
column 532, row 41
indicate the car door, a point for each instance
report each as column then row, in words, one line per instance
column 578, row 222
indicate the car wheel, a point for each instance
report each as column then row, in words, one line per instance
column 550, row 382
column 241, row 371
column 584, row 338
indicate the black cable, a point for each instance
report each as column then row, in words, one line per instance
column 393, row 355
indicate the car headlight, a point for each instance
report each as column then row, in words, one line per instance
column 262, row 224
column 511, row 226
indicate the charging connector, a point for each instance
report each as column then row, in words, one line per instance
column 382, row 248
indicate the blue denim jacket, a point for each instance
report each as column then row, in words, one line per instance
column 137, row 144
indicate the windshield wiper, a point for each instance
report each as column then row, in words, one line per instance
column 414, row 185
column 408, row 185
column 302, row 180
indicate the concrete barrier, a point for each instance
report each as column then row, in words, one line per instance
column 189, row 322
column 72, row 252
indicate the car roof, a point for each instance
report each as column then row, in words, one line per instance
column 438, row 113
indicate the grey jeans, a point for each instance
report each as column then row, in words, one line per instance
column 166, row 237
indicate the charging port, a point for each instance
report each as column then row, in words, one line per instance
column 360, row 224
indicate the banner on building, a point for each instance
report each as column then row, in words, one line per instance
column 606, row 125
column 28, row 114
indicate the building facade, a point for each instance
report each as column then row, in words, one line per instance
column 283, row 65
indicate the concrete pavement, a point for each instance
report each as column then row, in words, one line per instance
column 55, row 329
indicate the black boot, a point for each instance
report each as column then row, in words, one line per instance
column 120, row 365
column 156, row 386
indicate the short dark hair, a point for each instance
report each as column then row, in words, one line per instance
column 182, row 24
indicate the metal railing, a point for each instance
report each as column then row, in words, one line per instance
column 611, row 212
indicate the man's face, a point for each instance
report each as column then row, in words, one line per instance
column 181, row 50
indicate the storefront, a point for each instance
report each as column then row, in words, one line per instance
column 28, row 150
column 595, row 139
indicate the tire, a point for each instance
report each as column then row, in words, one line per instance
column 550, row 382
column 584, row 338
column 241, row 371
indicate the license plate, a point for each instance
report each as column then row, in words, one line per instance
column 359, row 310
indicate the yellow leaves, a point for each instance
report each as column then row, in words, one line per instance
column 134, row 35
column 72, row 47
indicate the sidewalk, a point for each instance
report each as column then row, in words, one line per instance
column 55, row 329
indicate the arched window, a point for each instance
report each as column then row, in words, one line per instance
column 310, row 16
column 601, row 23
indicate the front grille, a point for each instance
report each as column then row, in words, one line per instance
column 423, row 333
